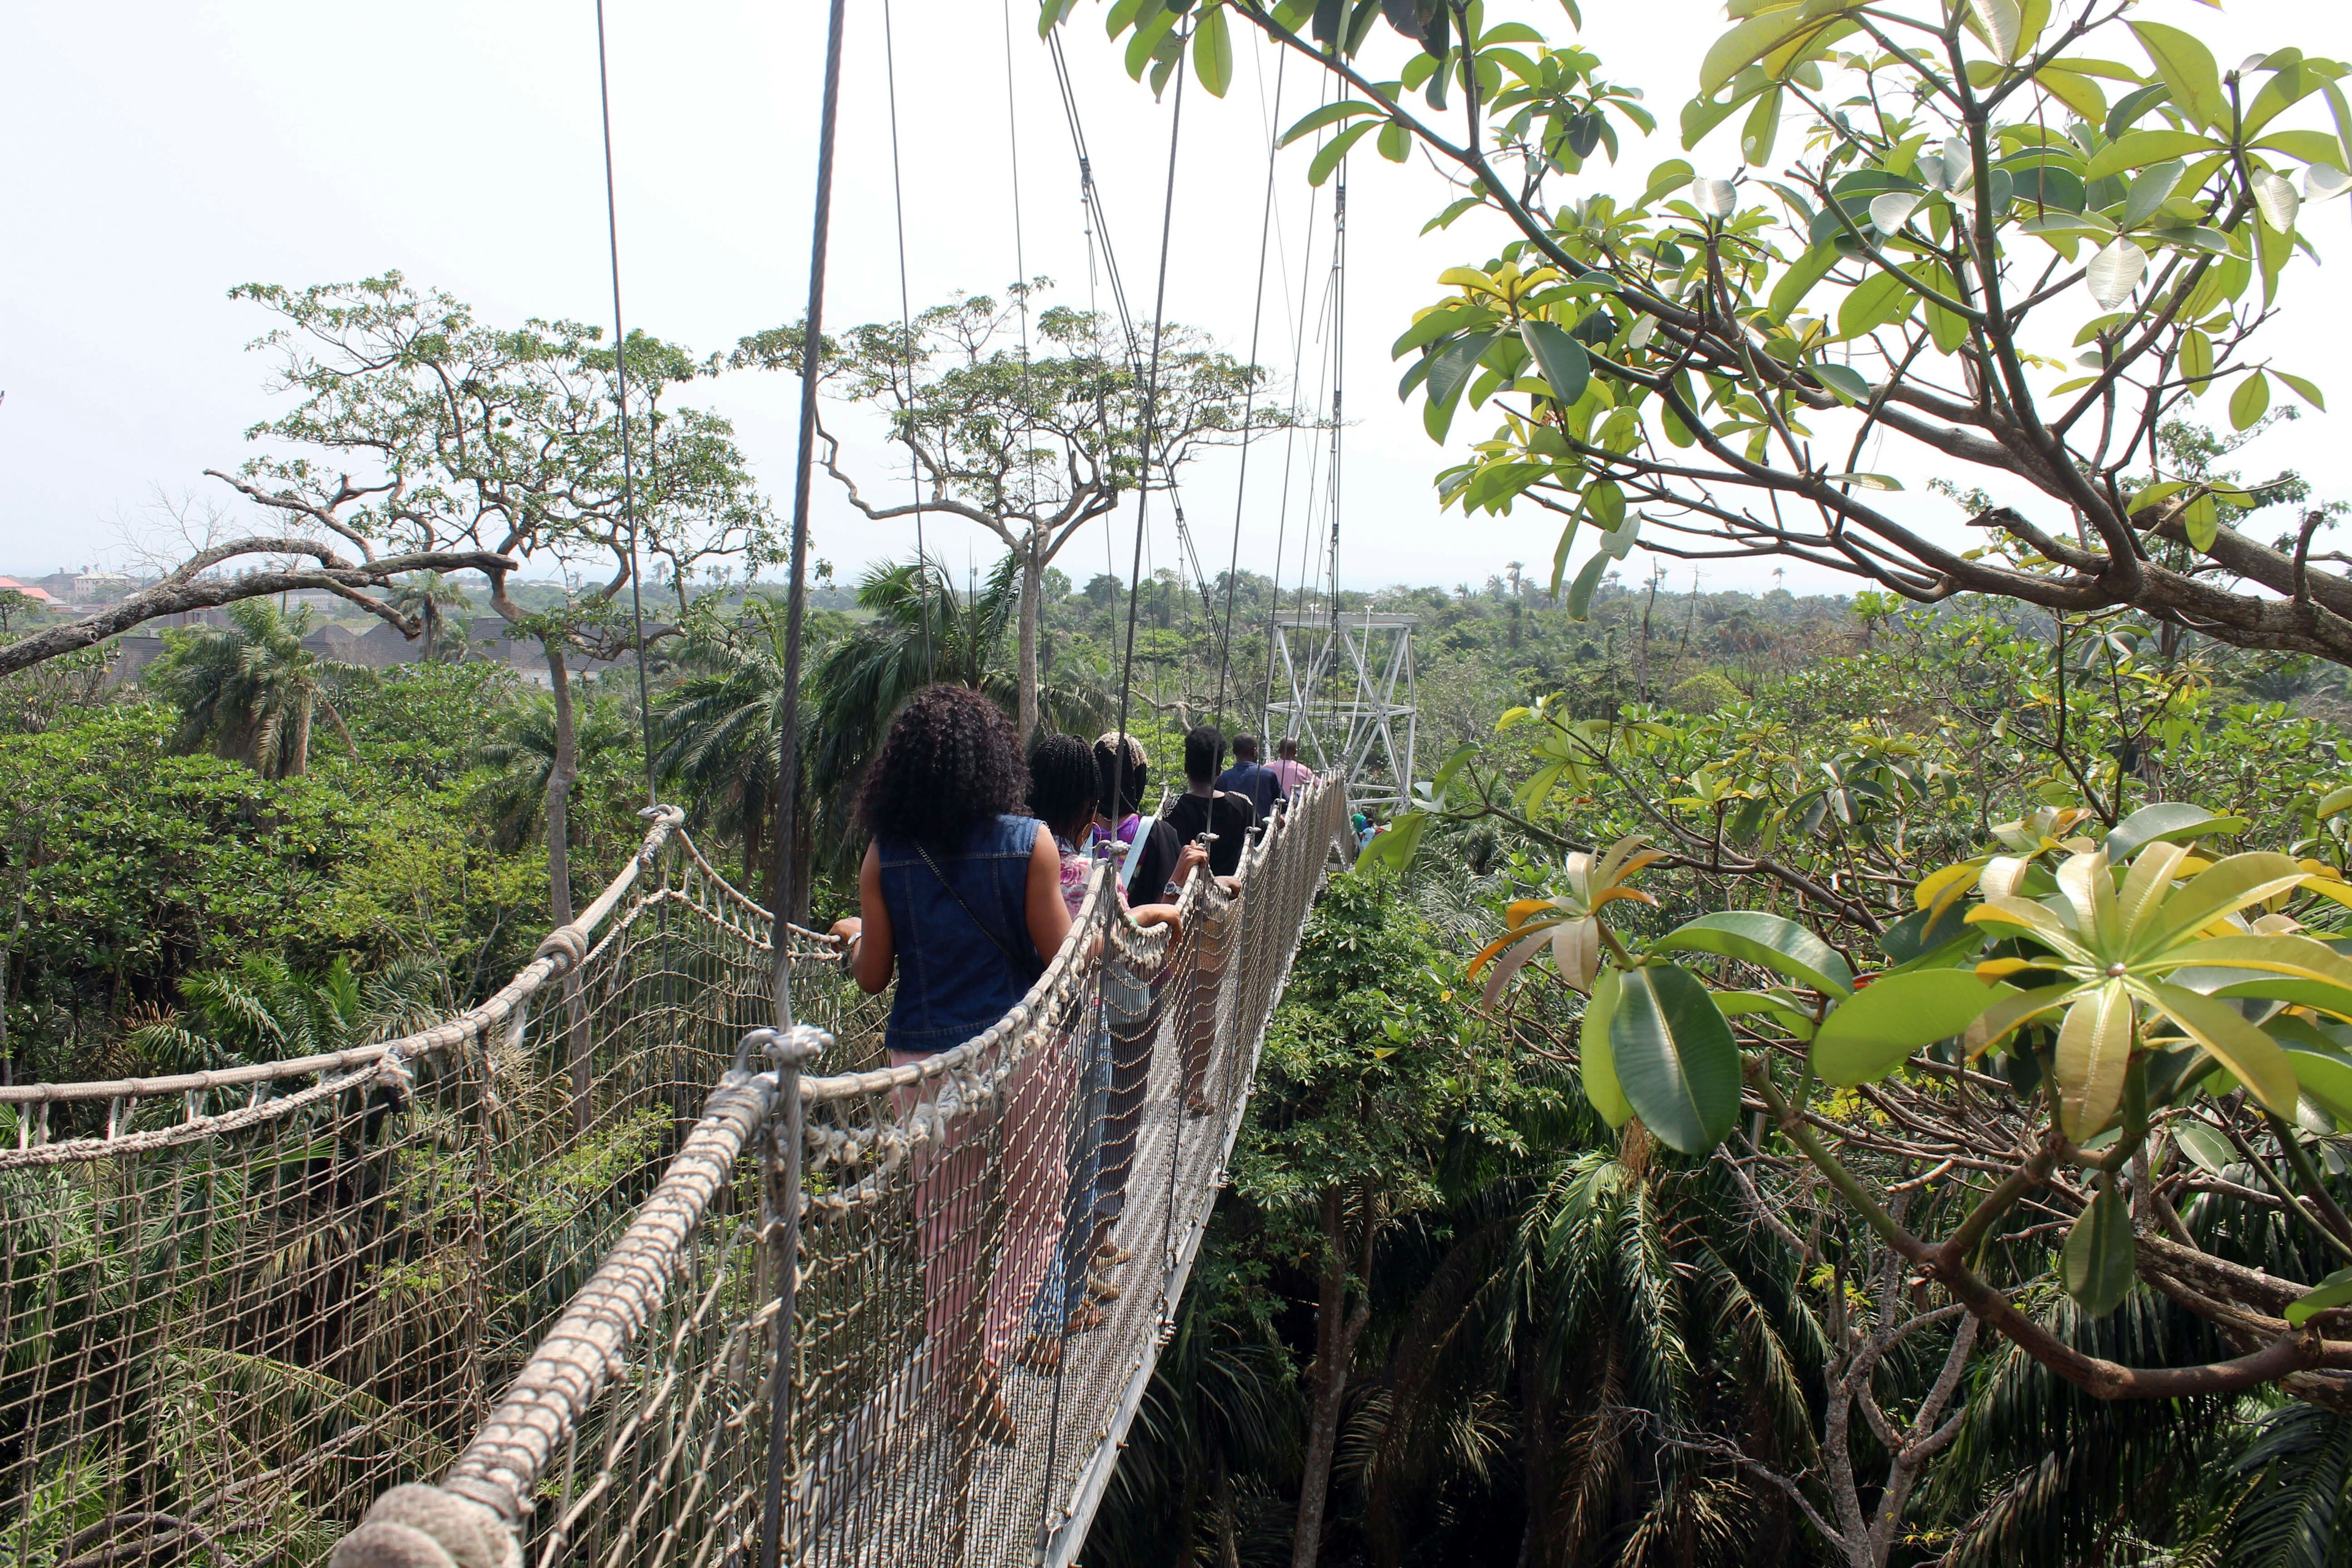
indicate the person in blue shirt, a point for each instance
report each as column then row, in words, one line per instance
column 1250, row 779
column 960, row 903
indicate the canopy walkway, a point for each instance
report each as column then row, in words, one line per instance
column 509, row 1292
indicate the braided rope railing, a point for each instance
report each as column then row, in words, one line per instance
column 988, row 1245
column 235, row 1304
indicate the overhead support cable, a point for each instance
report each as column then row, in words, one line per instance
column 788, row 740
column 620, row 396
column 906, row 342
column 1249, row 408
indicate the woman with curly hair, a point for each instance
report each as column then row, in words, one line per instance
column 961, row 897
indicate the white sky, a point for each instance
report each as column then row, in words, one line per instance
column 160, row 153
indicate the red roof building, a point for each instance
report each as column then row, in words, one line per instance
column 38, row 596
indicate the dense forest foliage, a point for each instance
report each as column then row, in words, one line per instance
column 1487, row 1322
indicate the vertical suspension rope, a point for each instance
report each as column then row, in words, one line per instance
column 1149, row 437
column 788, row 742
column 1249, row 421
column 621, row 391
column 906, row 340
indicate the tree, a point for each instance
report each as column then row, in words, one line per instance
column 1702, row 373
column 1029, row 446
column 249, row 691
column 512, row 439
column 426, row 595
column 1360, row 1087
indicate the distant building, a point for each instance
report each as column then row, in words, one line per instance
column 39, row 595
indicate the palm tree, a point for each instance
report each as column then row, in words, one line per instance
column 718, row 727
column 513, row 800
column 423, row 594
column 250, row 690
column 720, row 723
column 265, row 1010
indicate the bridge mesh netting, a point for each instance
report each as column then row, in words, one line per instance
column 535, row 1252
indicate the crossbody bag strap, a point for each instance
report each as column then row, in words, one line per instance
column 1143, row 827
column 985, row 929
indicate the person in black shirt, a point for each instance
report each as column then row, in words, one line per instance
column 1247, row 778
column 1205, row 808
column 1153, row 879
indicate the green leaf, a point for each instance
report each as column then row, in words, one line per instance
column 1566, row 367
column 2097, row 1264
column 2325, row 1077
column 1212, row 51
column 1614, row 546
column 1873, row 1031
column 2303, row 389
column 2189, row 70
column 2222, row 888
column 1754, row 937
column 1799, row 279
column 2139, row 149
column 1746, row 44
column 2252, row 1057
column 1675, row 1059
column 2206, row 1150
column 1395, row 848
column 1329, row 114
column 1596, row 1059
column 1335, row 149
column 2333, row 1291
column 2201, row 520
column 2250, row 401
column 1844, row 381
column 2196, row 359
column 2164, row 822
column 1882, row 298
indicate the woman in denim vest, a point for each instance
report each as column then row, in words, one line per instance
column 960, row 901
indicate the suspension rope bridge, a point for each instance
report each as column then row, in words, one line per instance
column 522, row 1278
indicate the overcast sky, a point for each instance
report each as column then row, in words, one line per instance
column 161, row 154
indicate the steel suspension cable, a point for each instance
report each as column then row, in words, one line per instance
column 906, row 342
column 621, row 394
column 1149, row 434
column 1249, row 420
column 788, row 739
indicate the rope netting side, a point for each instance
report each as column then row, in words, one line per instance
column 235, row 1305
column 989, row 1242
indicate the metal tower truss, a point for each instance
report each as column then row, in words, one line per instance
column 1351, row 703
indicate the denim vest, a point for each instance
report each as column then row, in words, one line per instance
column 954, row 980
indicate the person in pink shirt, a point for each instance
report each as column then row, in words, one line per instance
column 1288, row 771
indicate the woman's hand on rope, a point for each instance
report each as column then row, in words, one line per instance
column 1193, row 857
column 1149, row 915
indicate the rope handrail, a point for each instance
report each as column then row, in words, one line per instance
column 562, row 950
column 905, row 1203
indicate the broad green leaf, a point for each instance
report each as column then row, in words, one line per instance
column 2114, row 272
column 1596, row 1059
column 1212, row 51
column 2256, row 1058
column 1566, row 367
column 1845, row 382
column 2249, row 402
column 2276, row 200
column 2095, row 1045
column 2098, row 1261
column 2222, row 888
column 2139, row 149
column 2336, row 1291
column 2196, row 359
column 1336, row 149
column 2150, row 191
column 1882, row 298
column 1395, row 848
column 1799, row 279
column 2147, row 885
column 2279, row 952
column 2325, row 1077
column 1750, row 41
column 1329, row 114
column 2170, row 821
column 2304, row 389
column 1675, row 1059
column 2188, row 69
column 2206, row 1150
column 1875, row 1029
column 1754, row 937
